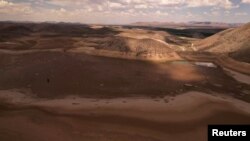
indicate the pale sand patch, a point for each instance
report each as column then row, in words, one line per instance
column 194, row 105
column 183, row 118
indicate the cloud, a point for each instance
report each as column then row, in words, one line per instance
column 4, row 3
column 146, row 3
column 161, row 13
column 70, row 3
column 119, row 10
column 219, row 3
column 14, row 8
column 241, row 14
column 246, row 1
column 141, row 6
column 115, row 5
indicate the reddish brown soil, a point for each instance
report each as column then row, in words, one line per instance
column 33, row 83
column 58, row 74
column 183, row 122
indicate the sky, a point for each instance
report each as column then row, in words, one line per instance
column 125, row 11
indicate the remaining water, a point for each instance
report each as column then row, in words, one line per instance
column 204, row 64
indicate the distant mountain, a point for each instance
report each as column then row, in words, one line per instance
column 189, row 24
column 159, row 24
column 214, row 24
column 235, row 41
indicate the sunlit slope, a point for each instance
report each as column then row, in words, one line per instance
column 236, row 42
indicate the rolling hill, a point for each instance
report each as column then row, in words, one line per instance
column 234, row 41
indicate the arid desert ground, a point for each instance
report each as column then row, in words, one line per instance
column 75, row 82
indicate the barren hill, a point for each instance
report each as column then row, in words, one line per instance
column 236, row 42
column 138, row 41
column 28, row 36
